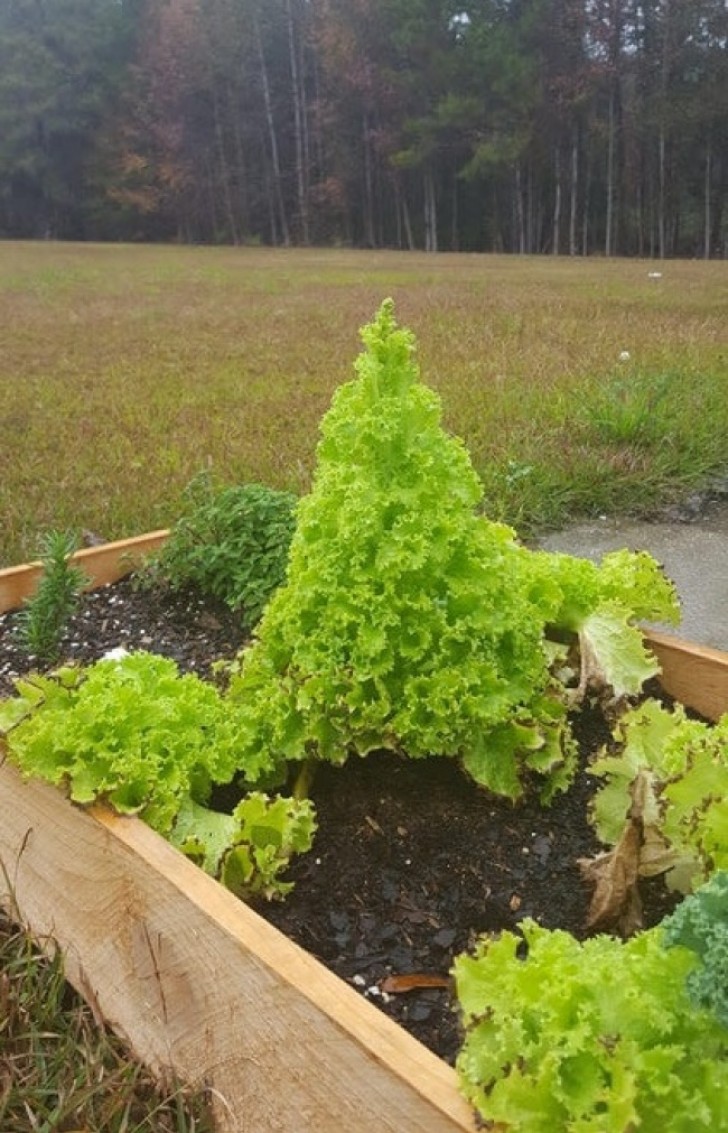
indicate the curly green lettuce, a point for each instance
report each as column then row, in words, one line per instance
column 593, row 1037
column 137, row 735
column 409, row 621
column 670, row 773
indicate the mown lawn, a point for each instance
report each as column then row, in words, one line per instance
column 125, row 370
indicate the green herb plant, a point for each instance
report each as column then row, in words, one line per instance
column 408, row 621
column 135, row 734
column 45, row 614
column 231, row 543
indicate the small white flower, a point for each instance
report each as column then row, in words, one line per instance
column 654, row 275
column 116, row 654
column 624, row 356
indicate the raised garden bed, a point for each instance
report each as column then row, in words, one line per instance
column 201, row 985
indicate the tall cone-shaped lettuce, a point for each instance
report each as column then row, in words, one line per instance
column 405, row 621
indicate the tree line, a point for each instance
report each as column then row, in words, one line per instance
column 532, row 126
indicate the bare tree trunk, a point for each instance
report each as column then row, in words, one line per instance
column 430, row 212
column 407, row 222
column 573, row 205
column 707, row 202
column 242, row 175
column 586, row 206
column 718, row 241
column 299, row 115
column 520, row 212
column 272, row 139
column 662, row 142
column 369, row 235
column 556, row 239
column 661, row 204
column 224, row 168
column 608, row 233
column 455, row 237
column 270, row 199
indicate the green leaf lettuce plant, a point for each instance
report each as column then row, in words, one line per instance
column 669, row 773
column 594, row 1037
column 409, row 621
column 135, row 734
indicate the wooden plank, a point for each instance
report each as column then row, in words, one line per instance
column 697, row 675
column 201, row 985
column 102, row 564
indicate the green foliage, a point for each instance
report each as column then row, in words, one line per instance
column 410, row 622
column 135, row 734
column 633, row 408
column 593, row 1037
column 676, row 769
column 700, row 923
column 600, row 603
column 61, row 72
column 403, row 623
column 248, row 849
column 44, row 616
column 231, row 543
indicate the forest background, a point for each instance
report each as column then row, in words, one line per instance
column 534, row 126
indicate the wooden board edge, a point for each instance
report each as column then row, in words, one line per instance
column 696, row 675
column 103, row 564
column 202, row 986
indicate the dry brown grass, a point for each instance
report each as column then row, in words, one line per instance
column 125, row 370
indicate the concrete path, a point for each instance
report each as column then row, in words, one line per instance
column 694, row 555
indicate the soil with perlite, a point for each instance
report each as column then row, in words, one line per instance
column 411, row 861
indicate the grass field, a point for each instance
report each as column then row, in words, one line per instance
column 126, row 370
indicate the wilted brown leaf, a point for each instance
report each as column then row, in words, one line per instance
column 616, row 902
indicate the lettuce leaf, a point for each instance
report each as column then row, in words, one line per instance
column 249, row 849
column 135, row 734
column 408, row 620
column 671, row 775
column 593, row 1037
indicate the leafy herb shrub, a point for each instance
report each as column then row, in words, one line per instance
column 410, row 622
column 593, row 1037
column 137, row 735
column 232, row 543
column 44, row 616
column 700, row 923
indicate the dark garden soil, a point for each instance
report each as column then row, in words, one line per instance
column 410, row 862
